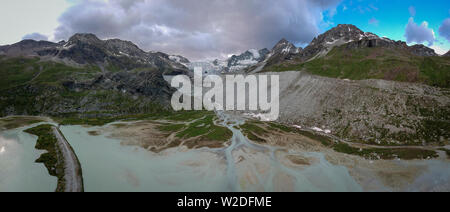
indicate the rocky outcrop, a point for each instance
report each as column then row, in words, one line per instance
column 421, row 50
column 150, row 84
column 105, row 94
column 283, row 50
column 321, row 45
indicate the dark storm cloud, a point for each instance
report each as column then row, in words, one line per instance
column 419, row 33
column 35, row 36
column 197, row 28
column 444, row 29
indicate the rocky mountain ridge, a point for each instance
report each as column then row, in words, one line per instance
column 347, row 33
column 343, row 34
column 85, row 75
column 82, row 49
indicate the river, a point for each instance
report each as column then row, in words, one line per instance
column 18, row 170
column 109, row 164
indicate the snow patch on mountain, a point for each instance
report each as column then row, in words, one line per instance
column 255, row 53
column 234, row 63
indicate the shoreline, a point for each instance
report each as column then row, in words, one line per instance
column 60, row 159
column 73, row 177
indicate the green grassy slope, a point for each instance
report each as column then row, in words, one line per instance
column 20, row 71
column 30, row 86
column 375, row 63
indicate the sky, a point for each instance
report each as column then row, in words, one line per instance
column 399, row 20
column 207, row 29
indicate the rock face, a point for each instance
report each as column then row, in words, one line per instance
column 421, row 50
column 343, row 33
column 150, row 84
column 284, row 47
column 111, row 93
column 246, row 59
column 283, row 50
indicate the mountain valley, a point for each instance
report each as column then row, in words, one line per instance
column 353, row 105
